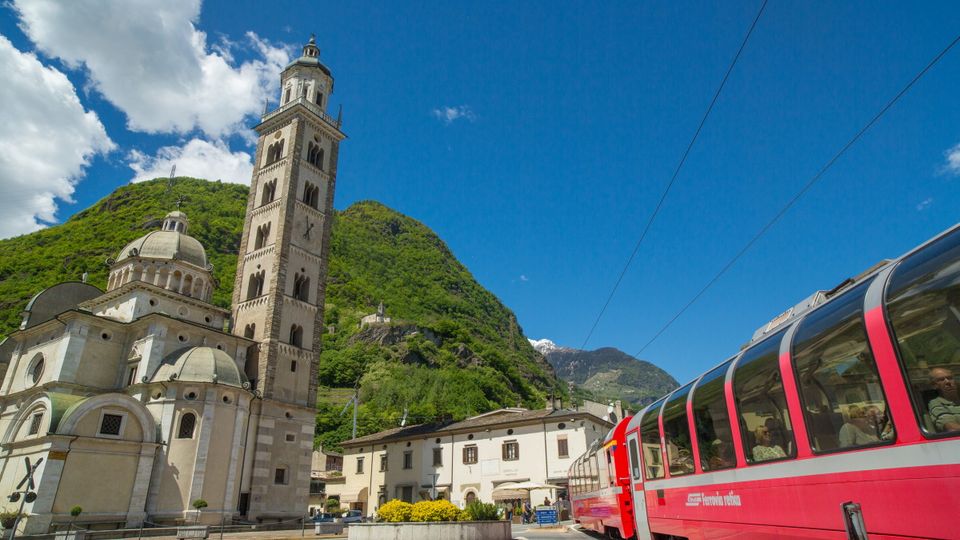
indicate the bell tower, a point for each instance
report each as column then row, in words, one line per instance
column 279, row 290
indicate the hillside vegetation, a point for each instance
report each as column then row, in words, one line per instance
column 609, row 373
column 452, row 350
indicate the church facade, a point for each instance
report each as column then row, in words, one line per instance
column 141, row 399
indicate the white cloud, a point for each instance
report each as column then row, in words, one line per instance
column 924, row 204
column 149, row 60
column 197, row 158
column 46, row 140
column 953, row 160
column 523, row 277
column 448, row 115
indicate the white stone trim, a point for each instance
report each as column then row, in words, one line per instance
column 203, row 445
column 121, row 402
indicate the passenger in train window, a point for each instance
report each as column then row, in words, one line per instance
column 721, row 456
column 857, row 431
column 945, row 408
column 880, row 422
column 778, row 435
column 765, row 450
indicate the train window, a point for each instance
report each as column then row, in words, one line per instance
column 650, row 442
column 843, row 402
column 923, row 303
column 676, row 433
column 762, row 405
column 634, row 459
column 714, row 437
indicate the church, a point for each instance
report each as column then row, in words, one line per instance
column 141, row 399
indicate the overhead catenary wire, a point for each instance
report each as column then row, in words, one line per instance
column 673, row 178
column 810, row 183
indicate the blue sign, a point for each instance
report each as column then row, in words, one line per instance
column 546, row 515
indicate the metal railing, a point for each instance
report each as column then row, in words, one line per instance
column 313, row 107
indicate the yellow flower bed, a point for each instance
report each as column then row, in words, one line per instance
column 395, row 511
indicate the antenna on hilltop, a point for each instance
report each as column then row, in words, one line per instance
column 173, row 171
column 353, row 401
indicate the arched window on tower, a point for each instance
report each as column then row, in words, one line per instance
column 296, row 335
column 311, row 195
column 315, row 155
column 263, row 234
column 255, row 284
column 269, row 192
column 187, row 423
column 301, row 287
column 249, row 330
column 320, row 159
column 274, row 152
column 286, row 97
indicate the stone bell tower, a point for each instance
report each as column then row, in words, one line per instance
column 280, row 285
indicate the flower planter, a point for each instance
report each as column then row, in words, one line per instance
column 328, row 528
column 434, row 530
column 192, row 531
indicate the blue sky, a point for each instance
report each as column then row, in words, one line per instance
column 535, row 138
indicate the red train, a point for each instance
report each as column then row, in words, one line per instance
column 840, row 419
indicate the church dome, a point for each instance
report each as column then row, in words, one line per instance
column 202, row 365
column 310, row 57
column 171, row 242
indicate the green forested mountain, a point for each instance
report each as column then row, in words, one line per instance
column 451, row 350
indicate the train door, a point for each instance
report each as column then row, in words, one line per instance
column 639, row 504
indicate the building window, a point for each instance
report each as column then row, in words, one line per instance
column 293, row 366
column 255, row 284
column 317, row 487
column 187, row 422
column 249, row 330
column 132, row 375
column 562, row 449
column 359, row 465
column 470, row 454
column 408, row 459
column 315, row 155
column 511, row 451
column 36, row 369
column 383, row 462
column 301, row 287
column 274, row 152
column 280, row 476
column 290, row 437
column 437, row 457
column 35, row 424
column 296, row 335
column 269, row 192
column 111, row 424
column 311, row 195
column 263, row 234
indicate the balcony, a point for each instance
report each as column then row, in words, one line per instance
column 312, row 107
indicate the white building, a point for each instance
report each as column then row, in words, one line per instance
column 464, row 461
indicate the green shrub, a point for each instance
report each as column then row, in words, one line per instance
column 440, row 510
column 480, row 511
column 395, row 511
column 332, row 505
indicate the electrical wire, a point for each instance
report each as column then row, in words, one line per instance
column 810, row 183
column 673, row 178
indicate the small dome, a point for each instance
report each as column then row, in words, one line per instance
column 166, row 245
column 310, row 57
column 202, row 365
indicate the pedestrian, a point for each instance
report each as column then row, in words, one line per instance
column 546, row 501
column 526, row 511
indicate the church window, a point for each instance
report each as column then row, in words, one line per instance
column 320, row 98
column 111, row 424
column 286, row 97
column 255, row 284
column 187, row 422
column 296, row 335
column 311, row 195
column 290, row 437
column 35, row 423
column 293, row 366
column 274, row 152
column 263, row 234
column 315, row 155
column 301, row 287
column 249, row 330
column 190, row 395
column 36, row 369
column 280, row 475
column 132, row 375
column 269, row 192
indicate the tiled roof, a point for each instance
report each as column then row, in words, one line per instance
column 487, row 420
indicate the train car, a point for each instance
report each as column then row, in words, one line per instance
column 840, row 419
column 599, row 483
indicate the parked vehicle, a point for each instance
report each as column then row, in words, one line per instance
column 350, row 516
column 323, row 517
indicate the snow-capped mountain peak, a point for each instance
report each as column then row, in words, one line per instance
column 546, row 346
